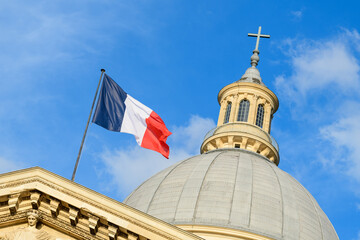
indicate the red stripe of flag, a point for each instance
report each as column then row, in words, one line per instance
column 155, row 135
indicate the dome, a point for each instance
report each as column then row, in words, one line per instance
column 236, row 189
column 252, row 75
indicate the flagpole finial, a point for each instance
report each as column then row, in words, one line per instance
column 102, row 70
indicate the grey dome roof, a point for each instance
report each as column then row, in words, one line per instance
column 235, row 189
column 252, row 75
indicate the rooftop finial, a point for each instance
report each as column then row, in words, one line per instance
column 255, row 57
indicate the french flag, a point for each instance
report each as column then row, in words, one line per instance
column 119, row 112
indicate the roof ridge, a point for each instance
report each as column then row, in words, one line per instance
column 201, row 186
column 317, row 213
column 282, row 200
column 182, row 190
column 233, row 193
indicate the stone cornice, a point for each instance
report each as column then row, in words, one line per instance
column 88, row 202
column 224, row 233
column 241, row 135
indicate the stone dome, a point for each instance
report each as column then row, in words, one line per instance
column 252, row 75
column 236, row 189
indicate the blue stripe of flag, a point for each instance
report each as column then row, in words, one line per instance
column 110, row 108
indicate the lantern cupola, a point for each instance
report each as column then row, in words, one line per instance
column 247, row 107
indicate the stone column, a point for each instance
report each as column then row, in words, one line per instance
column 267, row 117
column 252, row 110
column 234, row 106
column 219, row 143
column 223, row 104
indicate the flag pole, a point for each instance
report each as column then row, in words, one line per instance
column 87, row 125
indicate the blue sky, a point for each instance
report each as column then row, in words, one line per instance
column 174, row 56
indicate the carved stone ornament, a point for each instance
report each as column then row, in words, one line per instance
column 31, row 232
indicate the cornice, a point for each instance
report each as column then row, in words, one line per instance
column 78, row 196
column 223, row 232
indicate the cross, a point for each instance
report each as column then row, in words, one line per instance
column 258, row 36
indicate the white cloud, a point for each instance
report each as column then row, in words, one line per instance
column 353, row 37
column 297, row 15
column 40, row 41
column 319, row 65
column 344, row 151
column 36, row 38
column 131, row 166
column 37, row 35
column 190, row 137
column 322, row 91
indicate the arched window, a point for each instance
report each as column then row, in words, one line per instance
column 260, row 116
column 227, row 113
column 243, row 111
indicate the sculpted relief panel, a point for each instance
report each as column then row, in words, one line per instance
column 31, row 231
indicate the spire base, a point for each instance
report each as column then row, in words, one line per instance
column 255, row 58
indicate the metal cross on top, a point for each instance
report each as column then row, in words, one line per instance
column 258, row 36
